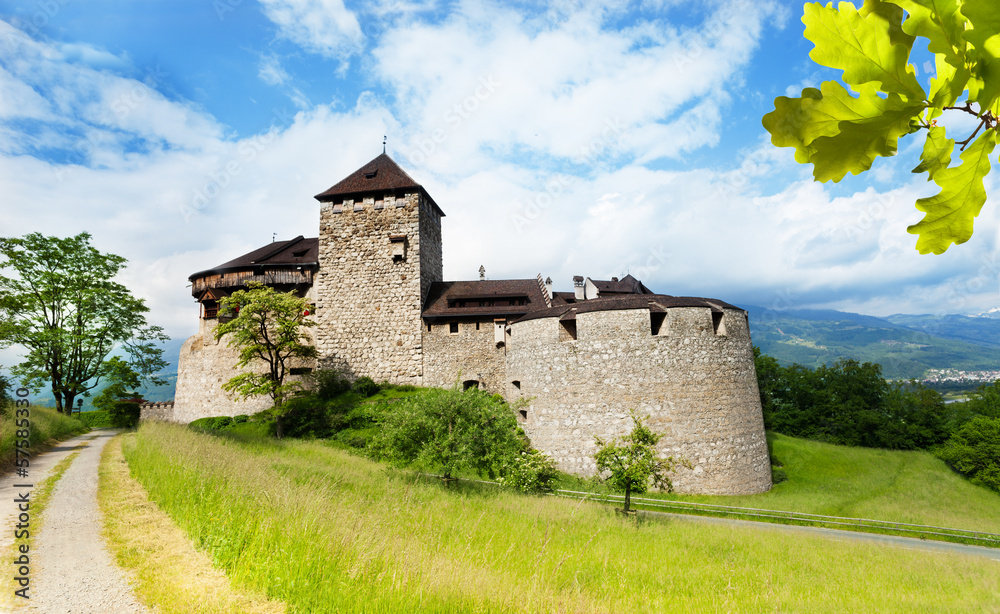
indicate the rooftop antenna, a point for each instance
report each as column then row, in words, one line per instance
column 274, row 237
column 384, row 139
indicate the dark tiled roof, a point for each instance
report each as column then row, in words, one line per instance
column 653, row 302
column 625, row 285
column 442, row 293
column 381, row 175
column 296, row 252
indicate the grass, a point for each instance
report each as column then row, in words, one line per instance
column 47, row 426
column 167, row 570
column 897, row 486
column 325, row 531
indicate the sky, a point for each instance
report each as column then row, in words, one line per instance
column 567, row 137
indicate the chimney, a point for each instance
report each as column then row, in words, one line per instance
column 548, row 285
column 578, row 287
column 482, row 273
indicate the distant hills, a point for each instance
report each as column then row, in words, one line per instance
column 905, row 345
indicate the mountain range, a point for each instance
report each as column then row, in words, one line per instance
column 906, row 346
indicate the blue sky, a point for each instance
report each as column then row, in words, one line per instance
column 561, row 138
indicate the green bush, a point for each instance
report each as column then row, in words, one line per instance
column 366, row 387
column 124, row 414
column 778, row 475
column 974, row 451
column 449, row 431
column 95, row 419
column 530, row 471
column 329, row 383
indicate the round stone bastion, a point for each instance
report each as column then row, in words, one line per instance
column 685, row 365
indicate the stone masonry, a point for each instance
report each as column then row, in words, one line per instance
column 697, row 387
column 369, row 294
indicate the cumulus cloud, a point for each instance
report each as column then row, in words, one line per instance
column 323, row 26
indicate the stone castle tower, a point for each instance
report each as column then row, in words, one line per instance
column 379, row 253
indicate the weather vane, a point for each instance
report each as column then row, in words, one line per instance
column 384, row 139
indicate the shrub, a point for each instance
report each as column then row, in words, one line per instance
column 124, row 414
column 95, row 419
column 449, row 430
column 530, row 471
column 240, row 419
column 974, row 451
column 366, row 387
column 778, row 475
column 329, row 383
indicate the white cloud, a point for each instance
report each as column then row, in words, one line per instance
column 271, row 72
column 326, row 27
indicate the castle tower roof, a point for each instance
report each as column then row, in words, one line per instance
column 379, row 176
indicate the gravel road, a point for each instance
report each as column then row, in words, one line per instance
column 71, row 569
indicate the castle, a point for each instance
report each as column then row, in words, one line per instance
column 583, row 358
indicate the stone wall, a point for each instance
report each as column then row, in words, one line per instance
column 472, row 353
column 369, row 300
column 698, row 387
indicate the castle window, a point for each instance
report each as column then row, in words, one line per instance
column 656, row 323
column 453, row 328
column 477, row 325
column 718, row 323
column 516, row 383
column 470, row 383
column 567, row 330
column 371, row 175
column 398, row 247
column 428, row 328
column 523, row 413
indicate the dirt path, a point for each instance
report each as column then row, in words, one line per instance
column 71, row 570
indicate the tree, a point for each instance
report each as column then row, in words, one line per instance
column 974, row 451
column 839, row 131
column 268, row 328
column 64, row 309
column 632, row 462
column 450, row 430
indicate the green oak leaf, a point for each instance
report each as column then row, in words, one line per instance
column 947, row 86
column 893, row 15
column 939, row 21
column 949, row 215
column 860, row 46
column 937, row 152
column 984, row 35
column 837, row 132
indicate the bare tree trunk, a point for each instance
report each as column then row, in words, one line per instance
column 628, row 498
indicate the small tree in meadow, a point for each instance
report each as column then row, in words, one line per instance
column 450, row 430
column 632, row 462
column 267, row 327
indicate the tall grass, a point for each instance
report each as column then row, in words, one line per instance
column 324, row 531
column 46, row 425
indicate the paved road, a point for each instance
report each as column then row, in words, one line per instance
column 71, row 569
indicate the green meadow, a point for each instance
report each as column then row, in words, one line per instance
column 326, row 531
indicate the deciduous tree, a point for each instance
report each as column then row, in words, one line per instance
column 842, row 129
column 632, row 462
column 268, row 328
column 62, row 306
